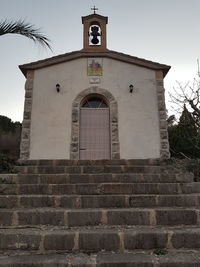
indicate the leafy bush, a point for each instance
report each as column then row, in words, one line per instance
column 159, row 251
column 6, row 164
column 186, row 165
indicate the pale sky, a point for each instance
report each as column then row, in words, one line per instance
column 164, row 31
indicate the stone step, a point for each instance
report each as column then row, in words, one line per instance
column 97, row 178
column 93, row 169
column 93, row 217
column 100, row 188
column 99, row 201
column 94, row 240
column 66, row 162
column 173, row 258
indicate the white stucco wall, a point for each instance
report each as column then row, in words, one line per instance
column 51, row 111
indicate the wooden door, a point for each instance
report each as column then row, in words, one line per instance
column 94, row 132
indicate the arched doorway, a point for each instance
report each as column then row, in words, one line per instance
column 94, row 128
column 113, row 114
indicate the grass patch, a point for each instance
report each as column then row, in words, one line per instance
column 159, row 251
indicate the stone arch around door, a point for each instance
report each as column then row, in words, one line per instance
column 74, row 146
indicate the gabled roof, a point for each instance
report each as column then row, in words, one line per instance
column 81, row 54
column 92, row 16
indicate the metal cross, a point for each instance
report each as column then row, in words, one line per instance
column 94, row 8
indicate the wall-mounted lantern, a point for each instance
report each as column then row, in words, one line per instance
column 131, row 88
column 58, row 87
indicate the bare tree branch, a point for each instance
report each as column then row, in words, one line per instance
column 190, row 96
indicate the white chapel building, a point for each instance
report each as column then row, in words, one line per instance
column 94, row 103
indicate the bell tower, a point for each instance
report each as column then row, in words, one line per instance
column 94, row 33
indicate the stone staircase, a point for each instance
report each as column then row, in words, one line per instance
column 58, row 213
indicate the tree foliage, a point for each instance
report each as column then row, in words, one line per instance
column 10, row 133
column 184, row 137
column 26, row 29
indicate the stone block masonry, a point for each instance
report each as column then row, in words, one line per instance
column 99, row 214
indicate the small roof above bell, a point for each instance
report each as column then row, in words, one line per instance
column 92, row 16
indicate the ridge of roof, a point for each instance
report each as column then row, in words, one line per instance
column 80, row 53
column 94, row 15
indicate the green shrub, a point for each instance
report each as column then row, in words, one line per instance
column 186, row 165
column 159, row 251
column 7, row 164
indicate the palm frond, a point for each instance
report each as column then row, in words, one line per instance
column 23, row 28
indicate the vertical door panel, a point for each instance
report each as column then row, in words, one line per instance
column 94, row 133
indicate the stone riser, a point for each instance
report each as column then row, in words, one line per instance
column 95, row 217
column 99, row 201
column 96, row 178
column 172, row 259
column 96, row 240
column 92, row 169
column 64, row 162
column 100, row 189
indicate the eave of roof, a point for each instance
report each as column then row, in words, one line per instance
column 91, row 16
column 81, row 54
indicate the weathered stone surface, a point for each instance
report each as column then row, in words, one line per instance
column 87, row 189
column 190, row 188
column 167, row 188
column 102, row 201
column 54, row 179
column 73, row 169
column 49, row 260
column 63, row 189
column 177, row 200
column 128, row 217
column 125, row 260
column 58, row 240
column 19, row 241
column 145, row 239
column 144, row 201
column 25, row 133
column 99, row 240
column 113, row 169
column 49, row 169
column 5, row 217
column 40, row 217
column 31, row 189
column 27, row 179
column 84, row 218
column 8, row 189
column 140, row 259
column 77, row 178
column 37, row 201
column 29, row 84
column 69, row 202
column 186, row 238
column 74, row 147
column 7, row 201
column 176, row 217
column 74, row 115
column 110, row 207
column 93, row 169
column 180, row 259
